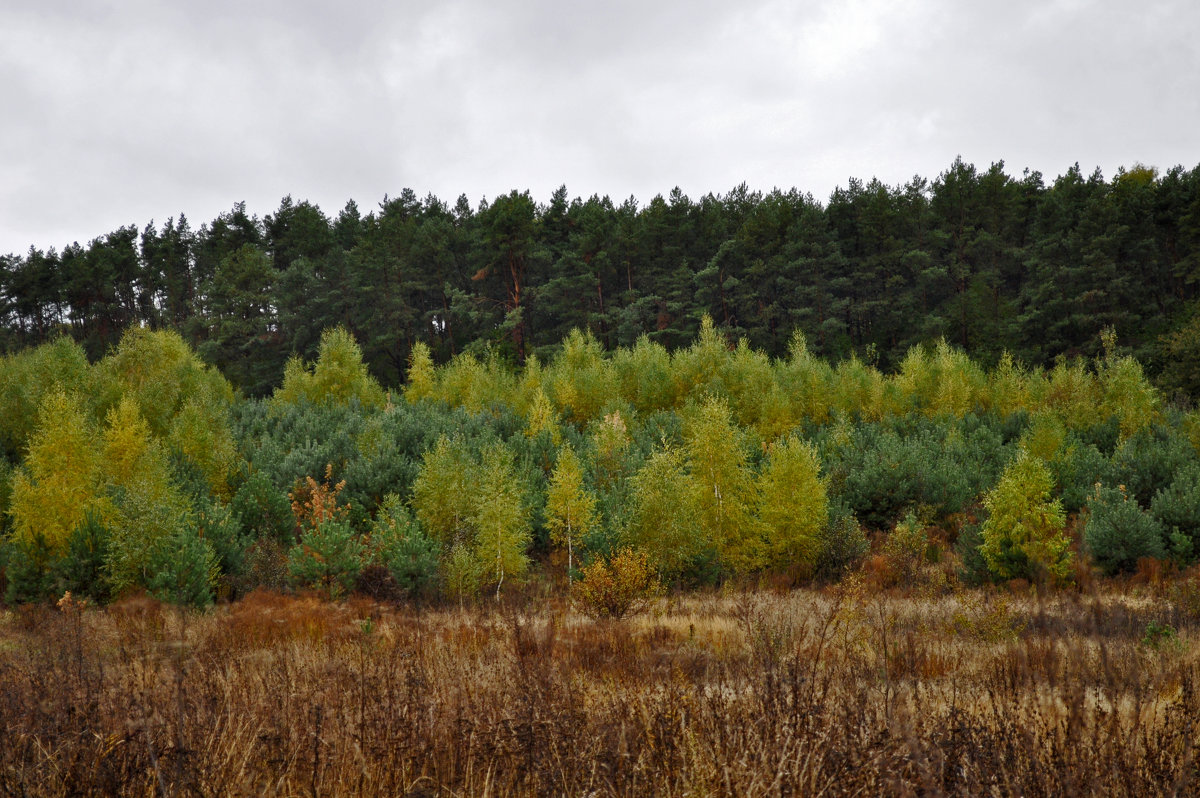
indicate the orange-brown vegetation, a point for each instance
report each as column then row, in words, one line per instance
column 849, row 690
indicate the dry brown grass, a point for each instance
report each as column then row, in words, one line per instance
column 846, row 691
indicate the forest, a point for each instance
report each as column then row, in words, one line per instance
column 748, row 495
column 989, row 261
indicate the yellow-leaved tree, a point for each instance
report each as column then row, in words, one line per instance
column 338, row 376
column 723, row 486
column 147, row 507
column 501, row 520
column 183, row 402
column 28, row 377
column 59, row 482
column 1024, row 535
column 664, row 519
column 443, row 495
column 422, row 376
column 793, row 504
column 570, row 507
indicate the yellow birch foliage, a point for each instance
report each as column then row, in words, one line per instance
column 444, row 491
column 501, row 521
column 60, row 479
column 664, row 516
column 1024, row 535
column 542, row 418
column 570, row 507
column 422, row 376
column 723, row 486
column 793, row 504
column 338, row 376
column 148, row 507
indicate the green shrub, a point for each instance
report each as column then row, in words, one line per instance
column 82, row 571
column 217, row 524
column 842, row 545
column 882, row 470
column 1119, row 532
column 1148, row 462
column 1177, row 508
column 262, row 510
column 1077, row 467
column 974, row 569
column 398, row 544
column 328, row 558
column 183, row 568
column 29, row 569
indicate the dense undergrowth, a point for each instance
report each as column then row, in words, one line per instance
column 145, row 472
column 842, row 691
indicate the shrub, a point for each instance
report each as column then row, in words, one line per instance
column 618, row 587
column 183, row 568
column 974, row 569
column 398, row 544
column 1077, row 467
column 328, row 558
column 882, row 469
column 262, row 510
column 217, row 524
column 1148, row 462
column 82, row 571
column 29, row 569
column 462, row 572
column 1119, row 532
column 842, row 545
column 906, row 551
column 1177, row 508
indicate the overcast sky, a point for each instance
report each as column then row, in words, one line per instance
column 118, row 112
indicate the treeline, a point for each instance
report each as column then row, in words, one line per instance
column 989, row 261
column 619, row 470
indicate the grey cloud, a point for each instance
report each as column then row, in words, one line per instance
column 118, row 113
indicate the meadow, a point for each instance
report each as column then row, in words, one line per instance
column 843, row 690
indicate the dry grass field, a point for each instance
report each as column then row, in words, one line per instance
column 841, row 691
